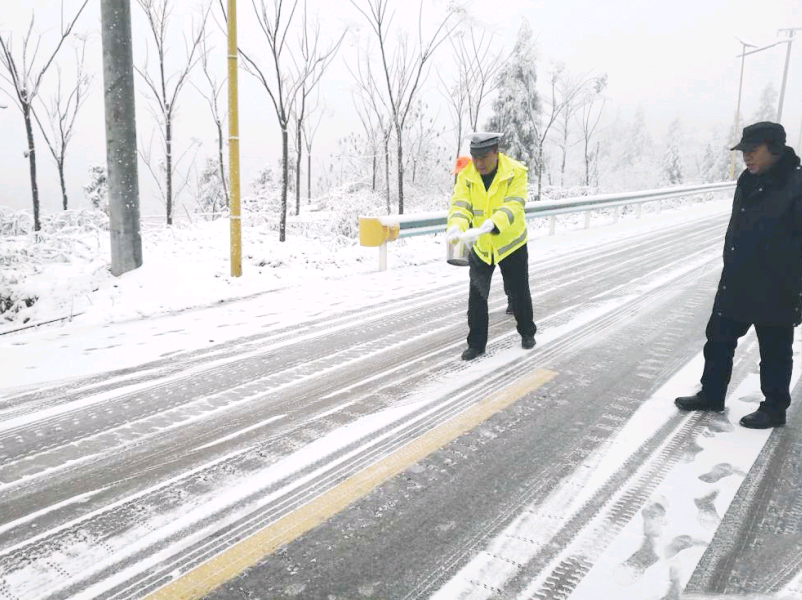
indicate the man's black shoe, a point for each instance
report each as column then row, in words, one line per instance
column 528, row 342
column 761, row 419
column 509, row 310
column 698, row 402
column 471, row 353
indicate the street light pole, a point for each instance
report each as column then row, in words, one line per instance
column 799, row 143
column 789, row 41
column 738, row 105
column 743, row 56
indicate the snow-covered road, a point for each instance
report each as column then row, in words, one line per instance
column 328, row 437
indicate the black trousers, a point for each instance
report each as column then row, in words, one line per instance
column 776, row 360
column 515, row 271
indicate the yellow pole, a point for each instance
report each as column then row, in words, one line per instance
column 233, row 143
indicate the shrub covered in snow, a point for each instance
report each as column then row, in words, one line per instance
column 97, row 190
column 32, row 262
column 345, row 204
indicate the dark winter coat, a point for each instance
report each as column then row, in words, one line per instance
column 762, row 277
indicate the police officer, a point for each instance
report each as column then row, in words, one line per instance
column 459, row 164
column 487, row 209
column 761, row 283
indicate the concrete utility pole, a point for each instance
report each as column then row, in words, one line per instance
column 121, row 154
column 789, row 41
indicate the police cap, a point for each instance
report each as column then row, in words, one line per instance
column 484, row 141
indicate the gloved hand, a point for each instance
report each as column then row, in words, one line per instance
column 452, row 234
column 487, row 226
column 472, row 234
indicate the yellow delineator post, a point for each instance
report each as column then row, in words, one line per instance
column 373, row 233
column 233, row 143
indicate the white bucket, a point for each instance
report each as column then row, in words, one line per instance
column 457, row 253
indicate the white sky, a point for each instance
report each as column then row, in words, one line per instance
column 673, row 58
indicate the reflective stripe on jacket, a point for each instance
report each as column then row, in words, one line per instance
column 503, row 202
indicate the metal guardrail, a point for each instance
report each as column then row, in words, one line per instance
column 377, row 231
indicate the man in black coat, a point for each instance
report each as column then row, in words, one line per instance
column 761, row 283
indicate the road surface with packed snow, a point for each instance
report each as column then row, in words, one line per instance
column 309, row 445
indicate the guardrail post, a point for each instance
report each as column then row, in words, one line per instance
column 552, row 224
column 587, row 219
column 638, row 210
column 383, row 256
column 616, row 213
column 373, row 233
column 659, row 206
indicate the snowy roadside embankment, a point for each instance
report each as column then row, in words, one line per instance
column 64, row 270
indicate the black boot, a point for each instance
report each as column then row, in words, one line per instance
column 472, row 353
column 764, row 418
column 528, row 342
column 698, row 402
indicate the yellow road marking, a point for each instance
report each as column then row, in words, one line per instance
column 201, row 580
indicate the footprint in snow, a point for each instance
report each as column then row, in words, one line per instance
column 753, row 398
column 680, row 543
column 720, row 422
column 708, row 516
column 635, row 566
column 690, row 451
column 719, row 472
column 675, row 585
column 654, row 517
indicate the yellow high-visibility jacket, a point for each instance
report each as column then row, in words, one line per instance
column 504, row 203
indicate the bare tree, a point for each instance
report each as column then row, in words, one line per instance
column 61, row 113
column 309, row 129
column 589, row 117
column 376, row 119
column 557, row 104
column 479, row 60
column 563, row 135
column 212, row 96
column 477, row 69
column 166, row 88
column 457, row 94
column 285, row 78
column 423, row 138
column 313, row 68
column 405, row 68
column 299, row 121
column 570, row 91
column 379, row 136
column 25, row 82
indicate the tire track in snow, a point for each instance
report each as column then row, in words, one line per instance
column 57, row 429
column 688, row 273
column 570, row 274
